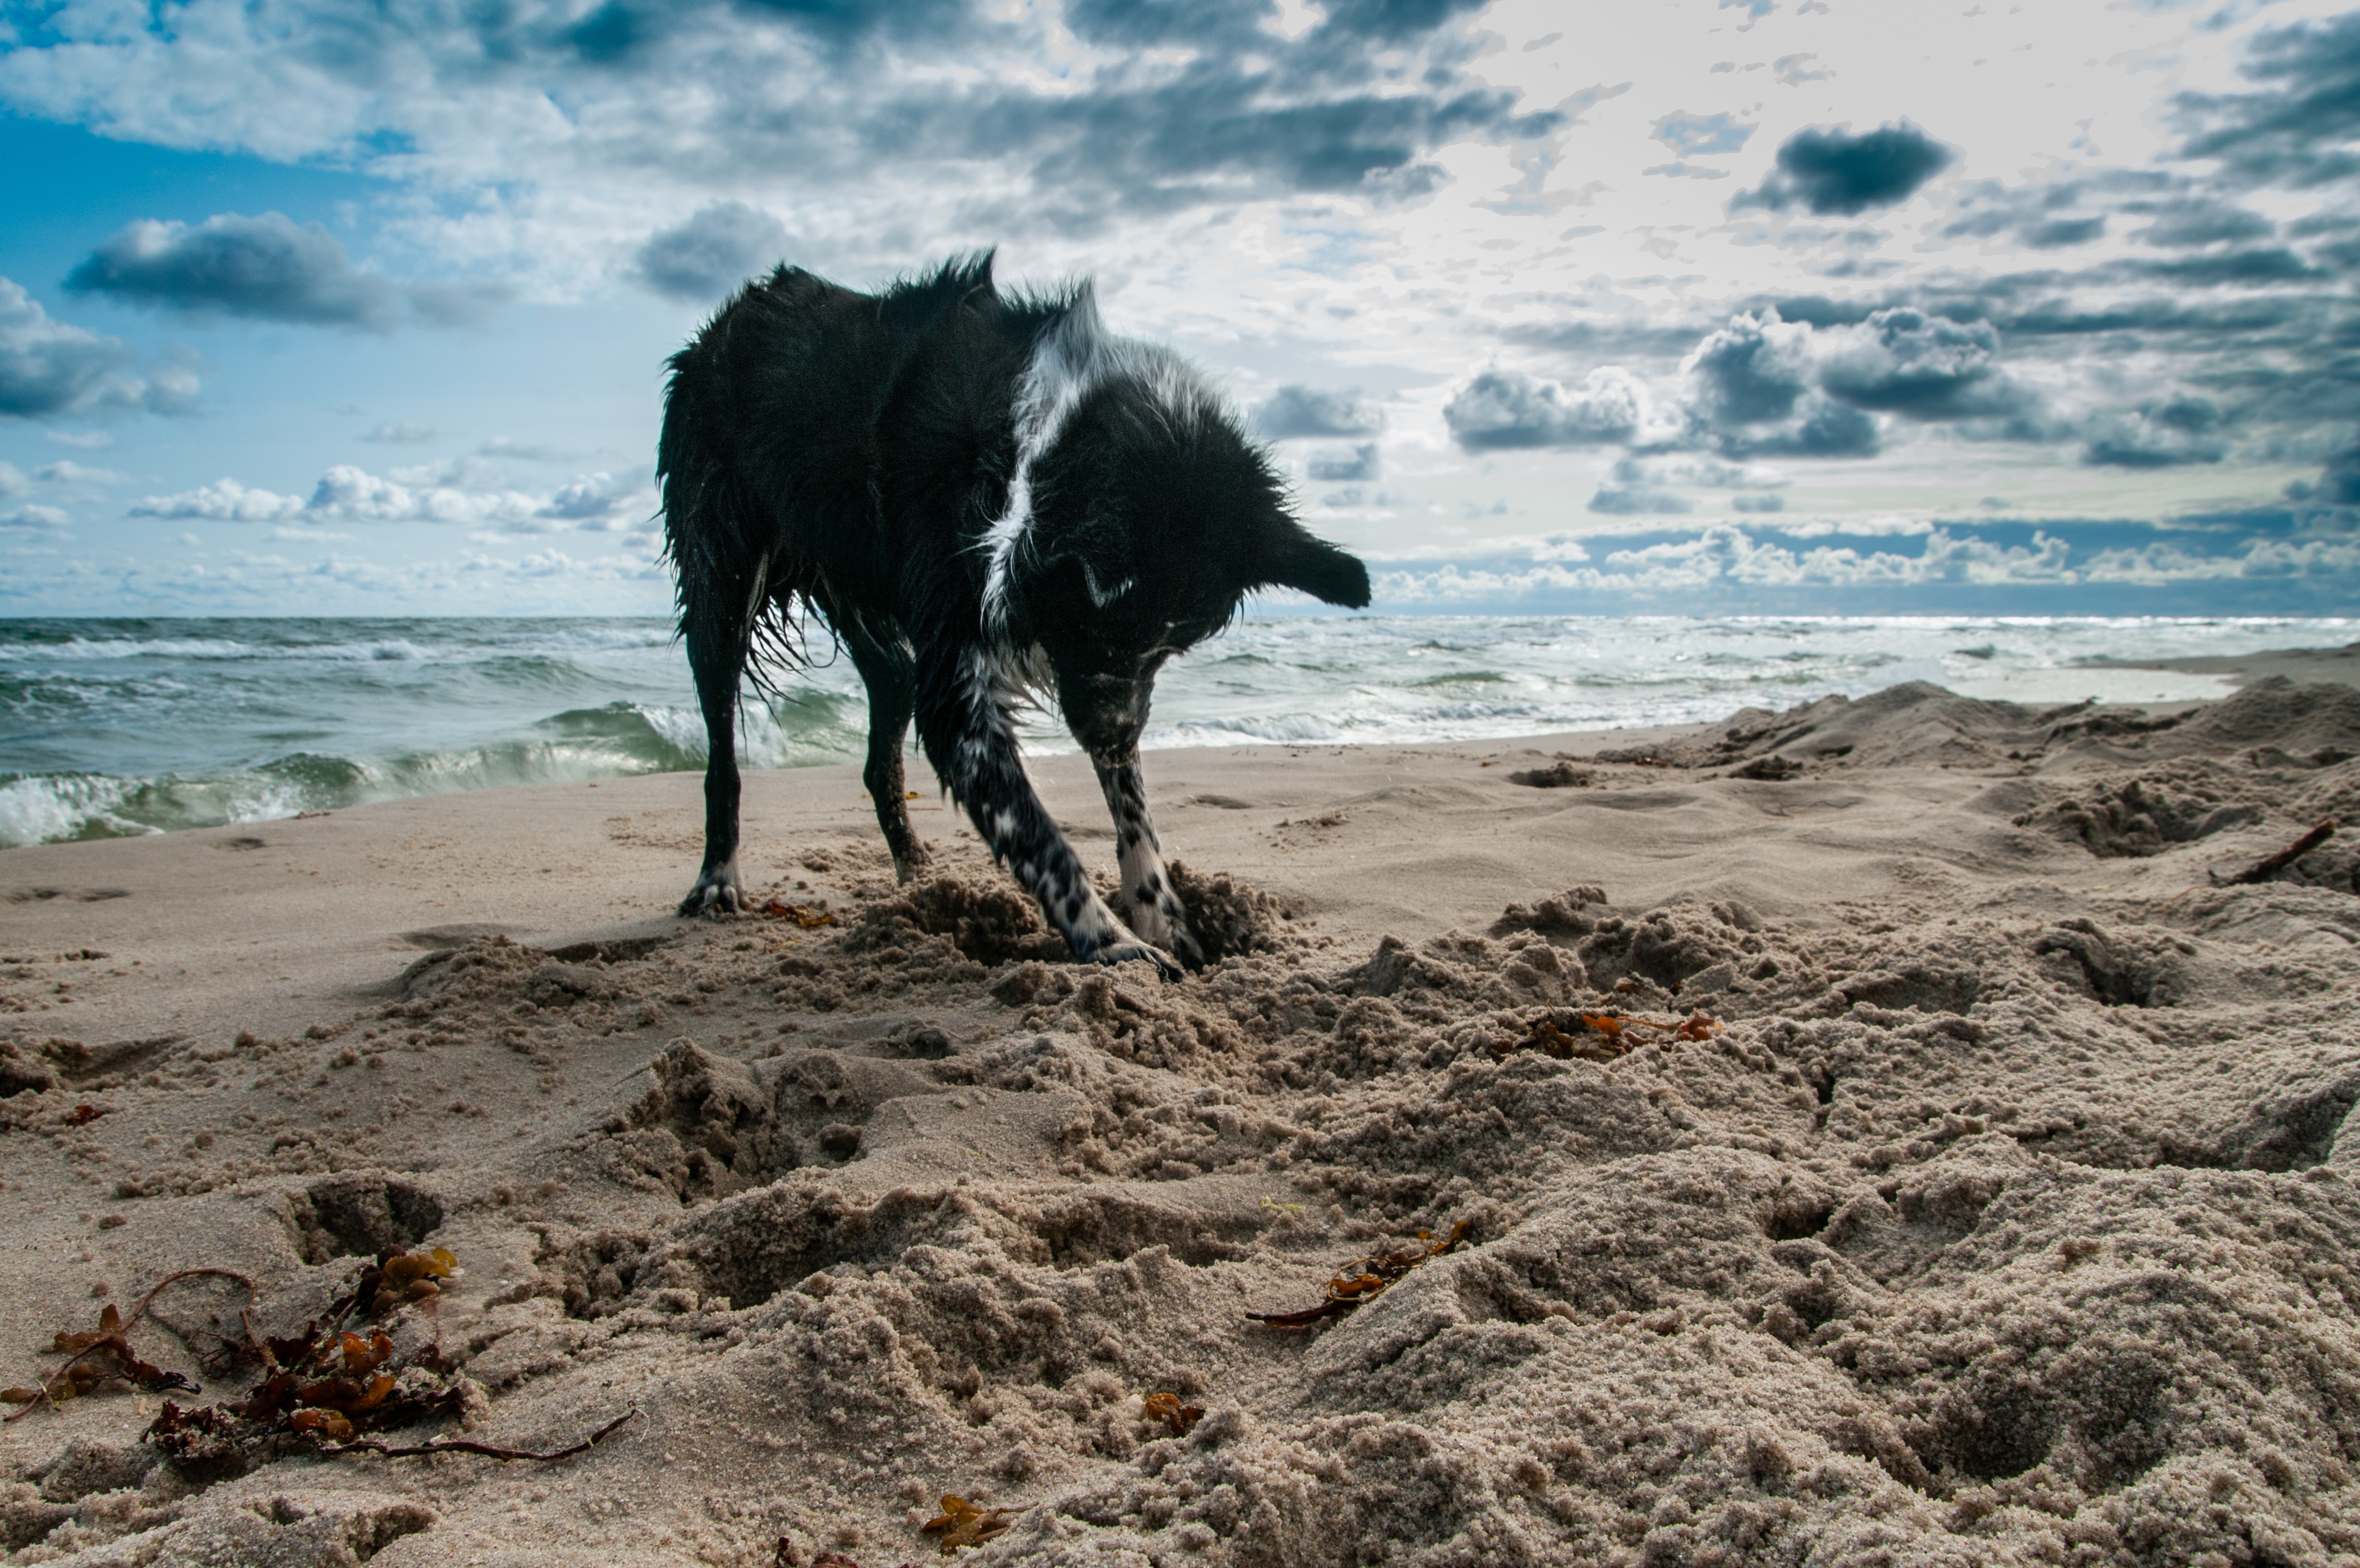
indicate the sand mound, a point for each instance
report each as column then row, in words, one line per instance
column 1998, row 1220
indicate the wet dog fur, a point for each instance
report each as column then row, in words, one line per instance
column 988, row 500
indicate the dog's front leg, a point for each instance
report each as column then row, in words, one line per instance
column 972, row 748
column 1148, row 896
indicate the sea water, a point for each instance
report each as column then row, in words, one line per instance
column 110, row 728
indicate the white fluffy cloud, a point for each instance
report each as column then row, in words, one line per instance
column 347, row 493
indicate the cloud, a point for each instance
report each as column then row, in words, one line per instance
column 401, row 433
column 1755, row 502
column 65, row 471
column 1827, row 429
column 1503, row 409
column 2179, row 430
column 1923, row 367
column 1625, row 500
column 2038, row 216
column 1752, row 371
column 1692, row 136
column 2339, row 481
column 35, row 516
column 597, row 498
column 526, row 125
column 1832, row 173
column 2201, row 220
column 12, row 479
column 2298, row 129
column 50, row 367
column 1349, row 465
column 267, row 268
column 1294, row 412
column 223, row 501
column 595, row 503
column 716, row 250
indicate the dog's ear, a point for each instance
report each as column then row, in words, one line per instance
column 1295, row 560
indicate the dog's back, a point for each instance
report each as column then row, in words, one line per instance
column 775, row 424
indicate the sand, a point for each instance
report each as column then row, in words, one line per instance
column 2000, row 1214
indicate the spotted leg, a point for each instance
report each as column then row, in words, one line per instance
column 1148, row 896
column 963, row 723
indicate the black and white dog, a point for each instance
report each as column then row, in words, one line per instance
column 986, row 497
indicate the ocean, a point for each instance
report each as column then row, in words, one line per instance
column 116, row 727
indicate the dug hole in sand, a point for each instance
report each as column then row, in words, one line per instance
column 1993, row 1205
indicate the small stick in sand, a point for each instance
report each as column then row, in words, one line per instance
column 466, row 1445
column 2270, row 865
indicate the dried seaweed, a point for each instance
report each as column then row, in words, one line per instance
column 1365, row 1278
column 2270, row 865
column 809, row 919
column 102, row 1354
column 326, row 1386
column 82, row 1116
column 1179, row 1418
column 962, row 1523
column 1602, row 1036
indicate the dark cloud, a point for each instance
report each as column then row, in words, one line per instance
column 1752, row 371
column 2298, row 129
column 712, row 253
column 2201, row 221
column 1501, row 409
column 1827, row 429
column 2274, row 264
column 1758, row 501
column 1628, row 500
column 2339, row 480
column 1923, row 367
column 1352, row 464
column 2179, row 430
column 50, row 367
column 269, row 268
column 2040, row 218
column 1229, row 110
column 1298, row 410
column 1832, row 173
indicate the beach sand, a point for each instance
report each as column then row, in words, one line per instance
column 1992, row 1208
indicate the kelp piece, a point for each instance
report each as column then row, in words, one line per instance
column 1603, row 1036
column 99, row 1355
column 1179, row 1418
column 1364, row 1278
column 962, row 1523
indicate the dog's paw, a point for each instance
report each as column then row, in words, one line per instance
column 1166, row 967
column 1185, row 947
column 717, row 893
column 1165, row 925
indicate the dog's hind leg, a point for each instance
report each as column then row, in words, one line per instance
column 1148, row 896
column 885, row 670
column 716, row 657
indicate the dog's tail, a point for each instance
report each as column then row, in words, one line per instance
column 722, row 573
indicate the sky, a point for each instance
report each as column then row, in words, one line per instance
column 1787, row 306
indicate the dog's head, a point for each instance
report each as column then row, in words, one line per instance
column 1154, row 515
